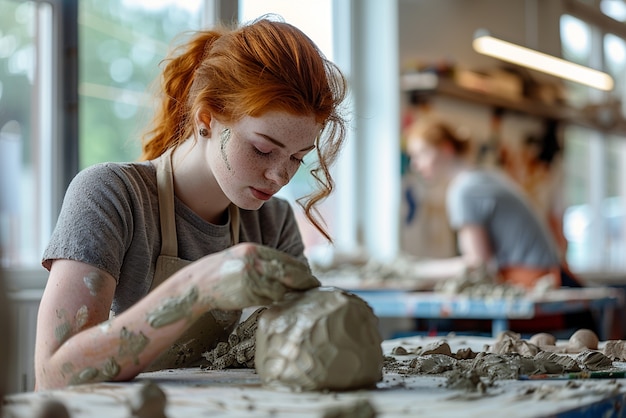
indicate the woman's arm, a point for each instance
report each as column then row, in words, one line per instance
column 475, row 248
column 77, row 343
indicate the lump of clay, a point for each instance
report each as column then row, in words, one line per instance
column 148, row 401
column 51, row 408
column 509, row 342
column 437, row 347
column 360, row 409
column 553, row 363
column 593, row 360
column 543, row 339
column 615, row 350
column 581, row 340
column 321, row 339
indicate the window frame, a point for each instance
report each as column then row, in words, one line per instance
column 600, row 25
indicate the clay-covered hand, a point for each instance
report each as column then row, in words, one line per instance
column 255, row 275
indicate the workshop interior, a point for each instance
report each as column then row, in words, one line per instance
column 534, row 91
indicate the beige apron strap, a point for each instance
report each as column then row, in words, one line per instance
column 165, row 185
column 234, row 223
column 213, row 325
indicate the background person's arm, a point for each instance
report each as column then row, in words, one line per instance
column 474, row 245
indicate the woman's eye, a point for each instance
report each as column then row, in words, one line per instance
column 260, row 152
column 264, row 153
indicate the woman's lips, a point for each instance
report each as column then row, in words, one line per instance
column 261, row 195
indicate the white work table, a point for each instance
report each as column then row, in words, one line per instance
column 239, row 393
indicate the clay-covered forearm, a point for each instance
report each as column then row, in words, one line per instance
column 122, row 347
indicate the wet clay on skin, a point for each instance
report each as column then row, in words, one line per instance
column 64, row 330
column 322, row 339
column 173, row 309
column 224, row 138
column 108, row 371
column 132, row 344
column 94, row 282
column 263, row 275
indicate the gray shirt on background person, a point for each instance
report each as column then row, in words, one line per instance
column 518, row 236
column 110, row 220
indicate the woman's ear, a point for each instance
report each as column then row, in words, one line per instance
column 203, row 120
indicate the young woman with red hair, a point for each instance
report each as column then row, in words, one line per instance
column 151, row 262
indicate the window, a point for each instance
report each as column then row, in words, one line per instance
column 25, row 134
column 594, row 221
column 121, row 45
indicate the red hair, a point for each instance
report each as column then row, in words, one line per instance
column 247, row 71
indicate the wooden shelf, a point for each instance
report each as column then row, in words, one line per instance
column 447, row 87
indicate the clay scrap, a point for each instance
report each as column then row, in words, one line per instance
column 509, row 357
column 359, row 409
column 51, row 408
column 148, row 401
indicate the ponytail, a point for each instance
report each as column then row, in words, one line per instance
column 170, row 125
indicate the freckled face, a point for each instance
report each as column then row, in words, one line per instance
column 260, row 155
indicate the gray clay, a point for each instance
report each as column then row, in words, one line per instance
column 321, row 339
column 148, row 401
column 51, row 408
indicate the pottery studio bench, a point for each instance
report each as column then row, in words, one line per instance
column 239, row 393
column 393, row 303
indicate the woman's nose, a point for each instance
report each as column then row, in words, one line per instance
column 278, row 174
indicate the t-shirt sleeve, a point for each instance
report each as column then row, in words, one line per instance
column 94, row 226
column 466, row 207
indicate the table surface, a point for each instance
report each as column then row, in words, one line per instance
column 239, row 393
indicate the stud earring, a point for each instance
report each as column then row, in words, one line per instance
column 204, row 132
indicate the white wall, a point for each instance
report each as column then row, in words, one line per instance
column 432, row 30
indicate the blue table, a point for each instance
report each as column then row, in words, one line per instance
column 389, row 303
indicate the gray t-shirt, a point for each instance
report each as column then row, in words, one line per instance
column 518, row 236
column 110, row 219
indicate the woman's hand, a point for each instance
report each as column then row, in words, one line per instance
column 252, row 275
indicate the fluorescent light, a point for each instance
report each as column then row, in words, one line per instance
column 507, row 51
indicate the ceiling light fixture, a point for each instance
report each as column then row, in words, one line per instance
column 486, row 44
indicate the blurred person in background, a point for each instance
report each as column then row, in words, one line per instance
column 497, row 228
column 495, row 223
